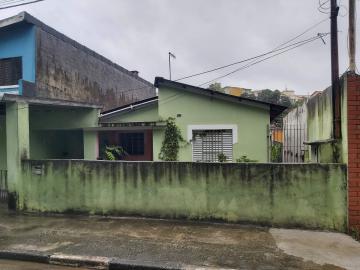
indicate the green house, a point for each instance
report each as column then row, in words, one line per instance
column 211, row 123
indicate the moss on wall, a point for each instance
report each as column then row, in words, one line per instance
column 304, row 195
column 320, row 125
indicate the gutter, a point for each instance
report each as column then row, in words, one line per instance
column 131, row 107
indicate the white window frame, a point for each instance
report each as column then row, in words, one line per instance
column 191, row 128
column 234, row 129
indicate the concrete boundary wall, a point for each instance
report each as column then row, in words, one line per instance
column 287, row 195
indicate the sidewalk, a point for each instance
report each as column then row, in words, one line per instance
column 173, row 244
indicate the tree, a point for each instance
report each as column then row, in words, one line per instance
column 249, row 95
column 215, row 87
column 269, row 96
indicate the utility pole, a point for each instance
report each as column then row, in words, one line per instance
column 335, row 71
column 352, row 35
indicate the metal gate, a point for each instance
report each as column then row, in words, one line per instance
column 287, row 144
column 3, row 186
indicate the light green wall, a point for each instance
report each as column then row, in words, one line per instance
column 2, row 142
column 91, row 145
column 57, row 133
column 301, row 195
column 149, row 113
column 17, row 143
column 56, row 144
column 320, row 125
column 42, row 117
column 252, row 122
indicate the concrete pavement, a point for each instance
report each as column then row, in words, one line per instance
column 174, row 244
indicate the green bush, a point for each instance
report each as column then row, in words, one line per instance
column 114, row 152
column 245, row 159
column 171, row 143
column 222, row 158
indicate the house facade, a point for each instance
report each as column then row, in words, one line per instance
column 211, row 123
column 51, row 90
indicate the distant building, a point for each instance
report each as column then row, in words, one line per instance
column 236, row 91
column 239, row 91
column 293, row 96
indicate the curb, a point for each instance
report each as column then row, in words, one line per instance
column 34, row 256
column 82, row 261
column 117, row 264
column 104, row 263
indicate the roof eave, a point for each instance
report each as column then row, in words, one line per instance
column 275, row 109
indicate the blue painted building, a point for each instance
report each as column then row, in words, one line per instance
column 18, row 41
column 58, row 67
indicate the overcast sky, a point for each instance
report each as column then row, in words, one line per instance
column 203, row 34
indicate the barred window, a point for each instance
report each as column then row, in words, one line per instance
column 10, row 71
column 209, row 144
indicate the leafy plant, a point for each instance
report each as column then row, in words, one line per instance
column 245, row 159
column 222, row 157
column 216, row 87
column 114, row 152
column 171, row 143
column 276, row 152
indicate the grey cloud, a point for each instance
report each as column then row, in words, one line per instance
column 203, row 34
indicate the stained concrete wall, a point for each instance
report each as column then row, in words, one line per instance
column 320, row 125
column 69, row 71
column 295, row 134
column 304, row 195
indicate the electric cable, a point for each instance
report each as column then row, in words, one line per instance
column 21, row 4
column 264, row 59
column 278, row 48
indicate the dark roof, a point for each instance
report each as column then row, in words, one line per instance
column 27, row 18
column 275, row 109
column 139, row 104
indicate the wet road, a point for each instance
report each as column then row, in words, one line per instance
column 15, row 265
column 181, row 242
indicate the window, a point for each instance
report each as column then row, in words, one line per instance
column 133, row 143
column 208, row 144
column 10, row 71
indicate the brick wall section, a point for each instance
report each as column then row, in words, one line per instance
column 353, row 93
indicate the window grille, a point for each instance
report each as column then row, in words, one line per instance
column 208, row 144
column 10, row 71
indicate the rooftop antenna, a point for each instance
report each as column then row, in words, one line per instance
column 171, row 56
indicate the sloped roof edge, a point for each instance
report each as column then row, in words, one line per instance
column 275, row 109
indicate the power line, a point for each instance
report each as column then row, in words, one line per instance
column 262, row 60
column 12, row 2
column 21, row 4
column 278, row 48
